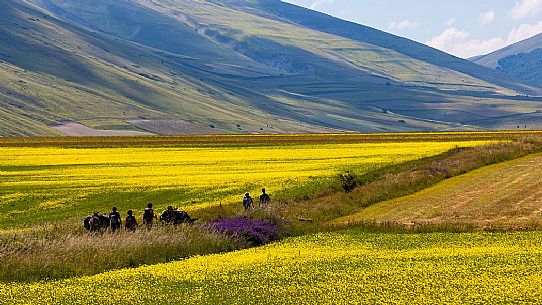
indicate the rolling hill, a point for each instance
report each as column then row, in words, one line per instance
column 522, row 60
column 233, row 66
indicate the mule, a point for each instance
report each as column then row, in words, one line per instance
column 174, row 217
column 103, row 224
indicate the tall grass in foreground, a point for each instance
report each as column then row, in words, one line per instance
column 63, row 251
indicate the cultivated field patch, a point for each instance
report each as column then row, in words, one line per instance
column 348, row 267
column 57, row 184
column 506, row 195
column 58, row 181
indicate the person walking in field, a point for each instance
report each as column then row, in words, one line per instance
column 265, row 199
column 130, row 224
column 115, row 220
column 148, row 217
column 94, row 222
column 248, row 202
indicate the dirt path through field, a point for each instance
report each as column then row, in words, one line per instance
column 507, row 194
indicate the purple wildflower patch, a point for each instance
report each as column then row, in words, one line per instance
column 256, row 232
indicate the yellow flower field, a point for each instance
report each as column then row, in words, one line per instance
column 53, row 184
column 63, row 183
column 349, row 267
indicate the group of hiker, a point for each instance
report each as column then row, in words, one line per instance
column 171, row 216
column 248, row 202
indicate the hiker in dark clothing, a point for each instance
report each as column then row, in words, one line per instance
column 94, row 222
column 348, row 182
column 115, row 220
column 130, row 224
column 181, row 217
column 248, row 203
column 148, row 217
column 265, row 199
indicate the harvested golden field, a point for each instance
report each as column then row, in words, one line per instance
column 506, row 195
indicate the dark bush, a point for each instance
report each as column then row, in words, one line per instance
column 348, row 182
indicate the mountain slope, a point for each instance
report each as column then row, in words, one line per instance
column 328, row 24
column 55, row 71
column 522, row 60
column 169, row 66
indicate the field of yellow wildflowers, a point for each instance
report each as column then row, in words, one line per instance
column 50, row 184
column 63, row 180
column 347, row 267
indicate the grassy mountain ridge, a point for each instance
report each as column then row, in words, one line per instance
column 521, row 60
column 526, row 46
column 115, row 78
column 413, row 49
column 233, row 66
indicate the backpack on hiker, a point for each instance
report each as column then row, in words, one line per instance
column 148, row 214
column 130, row 223
column 115, row 220
column 248, row 202
column 94, row 223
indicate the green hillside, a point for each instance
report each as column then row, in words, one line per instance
column 491, row 60
column 521, row 60
column 233, row 67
